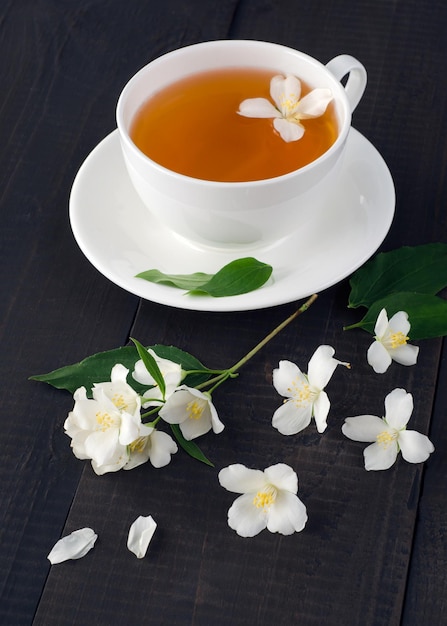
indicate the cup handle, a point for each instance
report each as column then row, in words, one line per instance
column 345, row 64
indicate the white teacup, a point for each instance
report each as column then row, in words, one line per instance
column 238, row 213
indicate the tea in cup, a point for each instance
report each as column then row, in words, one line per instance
column 210, row 146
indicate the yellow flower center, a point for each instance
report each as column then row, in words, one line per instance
column 301, row 393
column 264, row 499
column 398, row 339
column 138, row 445
column 119, row 402
column 195, row 409
column 385, row 438
column 104, row 420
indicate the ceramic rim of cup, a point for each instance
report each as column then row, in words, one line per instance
column 340, row 99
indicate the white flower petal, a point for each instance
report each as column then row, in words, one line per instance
column 245, row 518
column 415, row 447
column 321, row 411
column 282, row 476
column 240, row 479
column 285, row 93
column 322, row 366
column 287, row 515
column 258, row 107
column 379, row 457
column 129, row 429
column 378, row 357
column 399, row 323
column 119, row 374
column 216, row 424
column 405, row 355
column 140, row 534
column 269, row 499
column 285, row 376
column 191, row 429
column 363, row 427
column 139, row 455
column 314, row 103
column 193, row 411
column 113, row 465
column 381, row 325
column 290, row 419
column 174, row 410
column 73, row 546
column 102, row 446
column 289, row 131
column 161, row 447
column 78, row 444
column 83, row 416
column 398, row 408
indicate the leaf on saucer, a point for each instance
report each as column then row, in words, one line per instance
column 421, row 269
column 182, row 281
column 235, row 278
column 97, row 368
column 427, row 314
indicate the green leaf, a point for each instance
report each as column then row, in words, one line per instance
column 235, row 278
column 421, row 269
column 97, row 368
column 427, row 314
column 182, row 281
column 189, row 446
column 93, row 369
column 151, row 365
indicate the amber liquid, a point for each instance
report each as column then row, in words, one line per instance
column 192, row 127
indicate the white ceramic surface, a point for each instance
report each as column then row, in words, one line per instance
column 238, row 212
column 121, row 238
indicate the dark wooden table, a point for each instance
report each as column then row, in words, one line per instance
column 374, row 551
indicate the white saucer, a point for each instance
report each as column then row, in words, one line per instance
column 119, row 236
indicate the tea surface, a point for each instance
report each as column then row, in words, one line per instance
column 192, row 127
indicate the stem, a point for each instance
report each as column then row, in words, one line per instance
column 151, row 412
column 231, row 371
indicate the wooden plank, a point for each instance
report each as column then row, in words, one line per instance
column 54, row 306
column 425, row 599
column 351, row 563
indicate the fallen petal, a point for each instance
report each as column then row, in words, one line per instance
column 73, row 546
column 140, row 534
